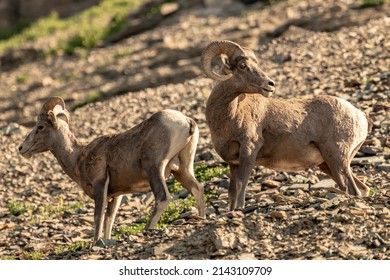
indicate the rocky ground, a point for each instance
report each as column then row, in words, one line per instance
column 308, row 47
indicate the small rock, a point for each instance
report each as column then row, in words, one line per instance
column 94, row 257
column 376, row 243
column 330, row 195
column 247, row 256
column 271, row 184
column 104, row 242
column 299, row 192
column 95, row 248
column 178, row 222
column 159, row 250
column 281, row 177
column 361, row 205
column 282, row 215
column 331, row 203
column 324, row 184
column 367, row 160
column 169, row 8
column 384, row 167
column 267, row 193
column 235, row 214
column 224, row 196
column 279, row 237
column 225, row 240
column 344, row 251
column 47, row 81
column 358, row 212
column 284, row 207
column 12, row 128
column 210, row 210
column 187, row 214
column 250, row 208
column 299, row 186
column 299, row 179
column 88, row 220
column 370, row 151
column 219, row 253
column 182, row 194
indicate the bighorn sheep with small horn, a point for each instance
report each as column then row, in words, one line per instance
column 248, row 128
column 136, row 160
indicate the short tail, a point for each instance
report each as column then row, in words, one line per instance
column 370, row 123
column 193, row 126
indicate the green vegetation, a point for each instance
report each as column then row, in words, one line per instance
column 131, row 229
column 50, row 210
column 18, row 208
column 92, row 97
column 371, row 3
column 123, row 53
column 372, row 192
column 22, row 78
column 72, row 247
column 35, row 255
column 46, row 210
column 204, row 173
column 8, row 258
column 84, row 30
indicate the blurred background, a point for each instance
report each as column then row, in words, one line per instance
column 89, row 50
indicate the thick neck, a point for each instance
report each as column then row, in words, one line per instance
column 67, row 149
column 223, row 100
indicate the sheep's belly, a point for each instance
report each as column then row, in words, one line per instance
column 294, row 162
column 127, row 184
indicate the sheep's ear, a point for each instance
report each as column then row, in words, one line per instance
column 226, row 62
column 53, row 119
column 227, row 66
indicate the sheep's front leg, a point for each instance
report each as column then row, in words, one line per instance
column 112, row 209
column 100, row 196
column 161, row 195
column 240, row 175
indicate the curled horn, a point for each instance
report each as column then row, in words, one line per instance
column 214, row 49
column 56, row 107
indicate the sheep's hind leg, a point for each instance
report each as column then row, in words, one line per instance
column 361, row 186
column 364, row 190
column 339, row 166
column 343, row 176
column 185, row 175
column 325, row 168
column 160, row 192
column 233, row 194
column 188, row 181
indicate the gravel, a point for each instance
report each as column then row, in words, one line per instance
column 287, row 216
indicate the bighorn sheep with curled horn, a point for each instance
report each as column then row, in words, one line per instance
column 248, row 128
column 136, row 160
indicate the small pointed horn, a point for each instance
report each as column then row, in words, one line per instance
column 53, row 102
column 57, row 106
column 214, row 49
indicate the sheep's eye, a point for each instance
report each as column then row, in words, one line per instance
column 40, row 127
column 243, row 66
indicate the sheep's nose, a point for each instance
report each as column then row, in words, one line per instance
column 271, row 83
column 20, row 147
